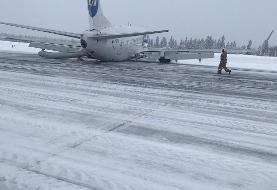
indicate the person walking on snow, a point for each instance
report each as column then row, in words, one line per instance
column 223, row 62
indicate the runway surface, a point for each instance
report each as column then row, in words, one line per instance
column 69, row 125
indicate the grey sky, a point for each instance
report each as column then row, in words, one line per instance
column 239, row 20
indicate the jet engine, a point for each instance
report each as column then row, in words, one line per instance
column 62, row 55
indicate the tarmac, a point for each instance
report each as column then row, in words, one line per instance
column 66, row 124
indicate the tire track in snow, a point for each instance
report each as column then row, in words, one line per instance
column 132, row 142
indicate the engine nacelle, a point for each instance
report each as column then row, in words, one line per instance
column 61, row 55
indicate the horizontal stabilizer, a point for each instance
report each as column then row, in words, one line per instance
column 104, row 37
column 67, row 34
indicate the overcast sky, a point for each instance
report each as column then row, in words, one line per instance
column 239, row 20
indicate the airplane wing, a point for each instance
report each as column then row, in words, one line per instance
column 78, row 36
column 67, row 34
column 168, row 55
column 45, row 43
column 59, row 47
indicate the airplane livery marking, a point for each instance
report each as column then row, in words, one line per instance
column 93, row 7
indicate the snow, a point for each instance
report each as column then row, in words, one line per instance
column 19, row 47
column 234, row 60
column 240, row 61
column 66, row 125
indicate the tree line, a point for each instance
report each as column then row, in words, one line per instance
column 159, row 42
column 196, row 43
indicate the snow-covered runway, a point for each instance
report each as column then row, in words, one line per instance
column 66, row 125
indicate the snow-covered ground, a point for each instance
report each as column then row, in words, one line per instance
column 66, row 125
column 241, row 61
column 18, row 47
column 234, row 61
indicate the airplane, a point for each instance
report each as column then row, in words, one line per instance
column 106, row 42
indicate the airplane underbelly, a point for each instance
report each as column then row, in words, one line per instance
column 110, row 54
column 108, row 51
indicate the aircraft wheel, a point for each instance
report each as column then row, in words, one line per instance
column 164, row 60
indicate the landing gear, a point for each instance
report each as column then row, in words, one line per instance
column 80, row 59
column 164, row 60
column 84, row 44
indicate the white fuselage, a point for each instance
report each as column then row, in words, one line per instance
column 117, row 49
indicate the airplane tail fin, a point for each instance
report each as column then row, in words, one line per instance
column 97, row 20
